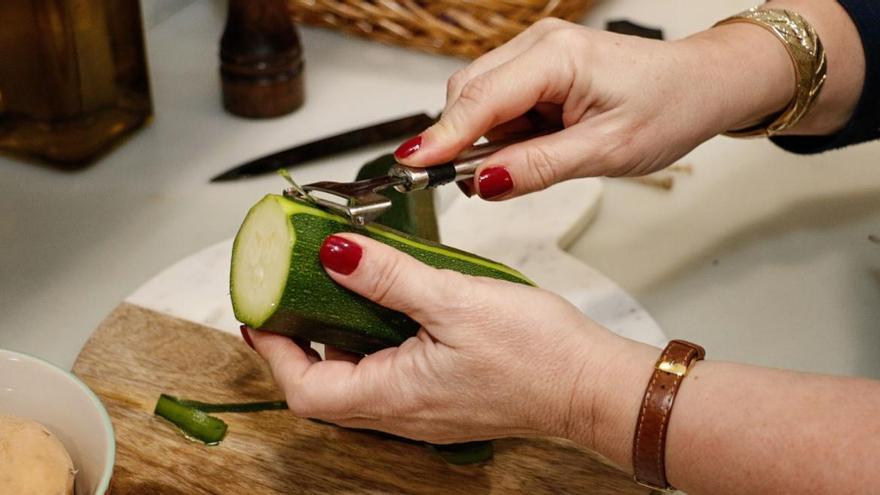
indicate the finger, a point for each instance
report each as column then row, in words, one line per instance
column 425, row 337
column 391, row 278
column 537, row 164
column 497, row 56
column 494, row 58
column 509, row 130
column 286, row 359
column 322, row 389
column 337, row 354
column 493, row 98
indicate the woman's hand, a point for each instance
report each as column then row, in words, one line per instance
column 629, row 105
column 493, row 358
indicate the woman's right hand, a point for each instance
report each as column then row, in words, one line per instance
column 630, row 106
column 492, row 359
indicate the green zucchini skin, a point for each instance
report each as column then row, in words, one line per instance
column 194, row 423
column 413, row 212
column 314, row 307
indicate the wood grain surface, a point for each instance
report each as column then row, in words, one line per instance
column 136, row 354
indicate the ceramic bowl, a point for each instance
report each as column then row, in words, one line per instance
column 32, row 388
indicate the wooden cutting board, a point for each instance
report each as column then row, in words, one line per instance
column 136, row 354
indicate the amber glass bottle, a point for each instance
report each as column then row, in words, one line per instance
column 73, row 77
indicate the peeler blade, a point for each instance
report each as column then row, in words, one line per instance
column 358, row 201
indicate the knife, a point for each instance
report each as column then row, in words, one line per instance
column 349, row 140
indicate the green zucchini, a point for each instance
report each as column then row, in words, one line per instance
column 192, row 419
column 234, row 407
column 304, row 228
column 277, row 282
column 194, row 423
column 413, row 212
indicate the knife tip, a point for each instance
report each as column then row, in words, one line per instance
column 224, row 177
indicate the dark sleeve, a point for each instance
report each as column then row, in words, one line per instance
column 865, row 122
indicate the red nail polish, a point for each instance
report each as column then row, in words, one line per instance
column 493, row 182
column 408, row 147
column 340, row 255
column 246, row 336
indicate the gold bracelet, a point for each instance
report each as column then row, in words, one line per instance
column 807, row 55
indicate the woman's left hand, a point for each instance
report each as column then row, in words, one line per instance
column 492, row 359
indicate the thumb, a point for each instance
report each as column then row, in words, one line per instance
column 391, row 278
column 492, row 98
column 536, row 164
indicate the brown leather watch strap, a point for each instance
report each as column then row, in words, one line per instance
column 649, row 442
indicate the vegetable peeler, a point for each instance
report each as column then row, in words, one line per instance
column 360, row 202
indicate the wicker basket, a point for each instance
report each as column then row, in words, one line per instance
column 466, row 28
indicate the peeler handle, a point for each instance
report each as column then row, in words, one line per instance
column 461, row 168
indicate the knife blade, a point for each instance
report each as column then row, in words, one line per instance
column 348, row 140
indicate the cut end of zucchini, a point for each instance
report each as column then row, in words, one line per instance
column 261, row 262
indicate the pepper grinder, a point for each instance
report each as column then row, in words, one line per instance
column 260, row 60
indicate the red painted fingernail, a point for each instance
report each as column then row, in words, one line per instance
column 340, row 255
column 493, row 182
column 466, row 187
column 408, row 147
column 246, row 336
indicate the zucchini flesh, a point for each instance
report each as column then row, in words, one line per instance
column 277, row 282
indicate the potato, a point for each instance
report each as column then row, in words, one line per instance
column 32, row 460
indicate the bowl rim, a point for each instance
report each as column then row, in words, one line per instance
column 104, row 482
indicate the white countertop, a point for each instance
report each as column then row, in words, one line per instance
column 796, row 282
